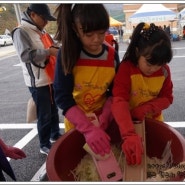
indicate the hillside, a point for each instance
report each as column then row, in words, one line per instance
column 8, row 19
column 116, row 11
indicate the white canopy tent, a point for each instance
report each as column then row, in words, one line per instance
column 152, row 13
column 181, row 16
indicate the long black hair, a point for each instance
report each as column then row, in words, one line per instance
column 92, row 17
column 151, row 42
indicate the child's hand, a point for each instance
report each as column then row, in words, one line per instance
column 133, row 149
column 98, row 140
column 151, row 108
column 148, row 109
column 139, row 113
column 14, row 153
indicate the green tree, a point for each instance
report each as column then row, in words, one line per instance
column 8, row 19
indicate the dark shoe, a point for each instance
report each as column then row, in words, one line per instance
column 44, row 150
column 53, row 140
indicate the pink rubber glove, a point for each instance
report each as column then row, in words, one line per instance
column 106, row 116
column 95, row 137
column 132, row 143
column 151, row 109
column 14, row 153
column 133, row 149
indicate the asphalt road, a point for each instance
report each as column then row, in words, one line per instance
column 13, row 102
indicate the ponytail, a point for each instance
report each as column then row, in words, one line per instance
column 66, row 35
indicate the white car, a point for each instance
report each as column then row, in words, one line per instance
column 5, row 40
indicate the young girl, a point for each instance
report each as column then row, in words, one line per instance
column 85, row 70
column 142, row 86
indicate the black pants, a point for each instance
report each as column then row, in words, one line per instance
column 5, row 167
column 2, row 178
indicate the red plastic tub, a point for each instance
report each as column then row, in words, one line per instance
column 67, row 152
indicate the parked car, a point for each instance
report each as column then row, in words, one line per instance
column 113, row 30
column 5, row 40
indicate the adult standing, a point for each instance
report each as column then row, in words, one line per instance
column 183, row 32
column 120, row 31
column 37, row 53
column 167, row 30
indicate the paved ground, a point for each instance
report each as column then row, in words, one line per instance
column 14, row 96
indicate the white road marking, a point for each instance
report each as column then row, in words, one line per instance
column 22, row 125
column 173, row 56
column 17, row 65
column 41, row 173
column 178, row 56
column 26, row 139
column 180, row 124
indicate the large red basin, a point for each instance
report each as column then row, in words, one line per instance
column 67, row 152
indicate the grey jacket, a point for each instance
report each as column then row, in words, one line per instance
column 31, row 52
